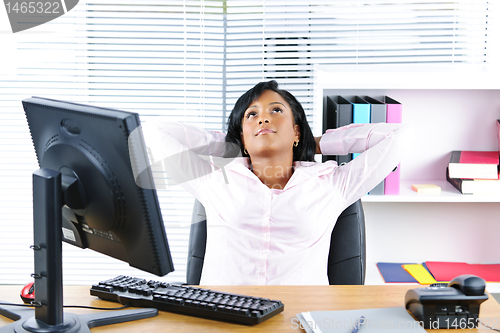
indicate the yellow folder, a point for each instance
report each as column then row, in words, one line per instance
column 419, row 273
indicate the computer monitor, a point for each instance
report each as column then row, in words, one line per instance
column 85, row 194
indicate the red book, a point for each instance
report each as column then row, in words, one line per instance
column 474, row 164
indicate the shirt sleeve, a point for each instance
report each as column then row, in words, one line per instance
column 186, row 154
column 382, row 147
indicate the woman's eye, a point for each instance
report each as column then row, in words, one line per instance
column 251, row 114
column 276, row 109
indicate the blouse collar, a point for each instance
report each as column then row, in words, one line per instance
column 303, row 170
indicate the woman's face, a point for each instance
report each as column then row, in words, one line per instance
column 268, row 126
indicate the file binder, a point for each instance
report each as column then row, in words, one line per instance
column 394, row 114
column 378, row 112
column 337, row 112
column 360, row 113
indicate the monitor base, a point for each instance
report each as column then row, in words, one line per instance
column 72, row 323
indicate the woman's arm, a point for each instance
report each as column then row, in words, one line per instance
column 184, row 152
column 382, row 147
column 186, row 135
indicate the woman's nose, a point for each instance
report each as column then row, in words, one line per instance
column 265, row 120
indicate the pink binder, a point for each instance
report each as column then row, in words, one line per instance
column 394, row 115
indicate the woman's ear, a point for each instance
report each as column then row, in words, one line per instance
column 297, row 132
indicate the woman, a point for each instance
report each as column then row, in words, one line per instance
column 270, row 213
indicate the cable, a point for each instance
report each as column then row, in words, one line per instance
column 491, row 328
column 23, row 305
column 95, row 307
column 37, row 305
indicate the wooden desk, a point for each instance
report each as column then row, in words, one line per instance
column 296, row 300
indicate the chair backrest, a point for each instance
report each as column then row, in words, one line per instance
column 347, row 258
column 346, row 261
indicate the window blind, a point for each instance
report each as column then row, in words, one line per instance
column 190, row 61
column 285, row 39
column 157, row 59
column 36, row 63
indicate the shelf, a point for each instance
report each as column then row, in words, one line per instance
column 450, row 107
column 448, row 194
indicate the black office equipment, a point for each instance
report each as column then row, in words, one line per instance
column 454, row 306
column 193, row 301
column 85, row 194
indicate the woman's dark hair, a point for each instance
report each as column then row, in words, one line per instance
column 306, row 148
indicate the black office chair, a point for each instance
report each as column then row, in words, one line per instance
column 346, row 261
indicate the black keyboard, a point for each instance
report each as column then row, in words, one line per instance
column 191, row 301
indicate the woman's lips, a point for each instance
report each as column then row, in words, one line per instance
column 265, row 131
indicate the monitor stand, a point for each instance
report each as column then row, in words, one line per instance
column 48, row 315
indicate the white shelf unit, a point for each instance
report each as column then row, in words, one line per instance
column 448, row 194
column 451, row 107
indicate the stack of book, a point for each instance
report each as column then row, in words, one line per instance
column 474, row 172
